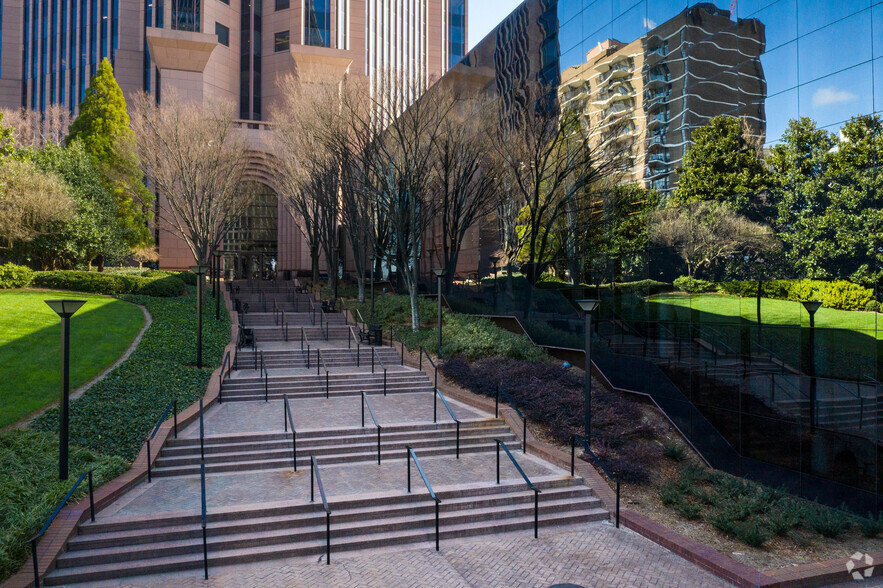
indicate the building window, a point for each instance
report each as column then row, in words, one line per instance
column 317, row 23
column 281, row 41
column 282, row 4
column 456, row 32
column 223, row 34
column 186, row 15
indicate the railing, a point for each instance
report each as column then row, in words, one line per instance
column 312, row 311
column 349, row 345
column 288, row 420
column 54, row 514
column 223, row 376
column 201, row 434
column 314, row 473
column 361, row 318
column 204, row 517
column 265, row 374
column 515, row 408
column 343, row 309
column 172, row 405
column 374, row 355
column 393, row 334
column 573, row 442
column 412, row 455
column 536, row 491
column 451, row 412
column 432, row 363
column 321, row 360
column 376, row 423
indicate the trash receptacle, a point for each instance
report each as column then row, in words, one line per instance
column 287, row 275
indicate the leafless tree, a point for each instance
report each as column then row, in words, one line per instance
column 34, row 129
column 704, row 233
column 30, row 199
column 195, row 160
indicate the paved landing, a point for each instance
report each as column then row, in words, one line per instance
column 597, row 554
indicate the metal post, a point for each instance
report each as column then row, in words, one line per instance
column 149, row 478
column 64, row 417
column 285, row 411
column 498, row 460
column 199, row 287
column 36, row 568
column 384, row 381
column 458, row 439
column 201, row 433
column 536, row 514
column 312, row 476
column 408, row 459
column 328, row 538
column 436, row 525
column 587, row 381
column 524, row 435
column 438, row 353
column 175, row 412
column 91, row 498
column 617, row 504
column 435, row 405
column 572, row 456
column 363, row 409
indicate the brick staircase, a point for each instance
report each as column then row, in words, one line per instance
column 173, row 541
column 251, row 386
column 333, row 358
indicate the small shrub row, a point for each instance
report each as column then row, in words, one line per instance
column 15, row 276
column 693, row 285
column 113, row 284
column 838, row 294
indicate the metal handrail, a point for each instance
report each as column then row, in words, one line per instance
column 266, row 375
column 171, row 405
column 343, row 309
column 320, row 359
column 54, row 514
column 314, row 473
column 201, row 433
column 289, row 421
column 432, row 363
column 374, row 418
column 517, row 411
column 374, row 354
column 432, row 495
column 222, row 376
column 361, row 318
column 536, row 491
column 358, row 341
column 582, row 441
column 451, row 412
column 393, row 333
column 204, row 518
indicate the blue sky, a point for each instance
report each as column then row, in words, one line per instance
column 484, row 15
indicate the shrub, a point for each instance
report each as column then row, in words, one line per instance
column 871, row 526
column 188, row 278
column 722, row 519
column 688, row 510
column 872, row 306
column 675, row 451
column 549, row 281
column 693, row 285
column 827, row 522
column 15, row 276
column 783, row 517
column 163, row 288
column 643, row 286
column 671, row 493
column 752, row 534
column 109, row 283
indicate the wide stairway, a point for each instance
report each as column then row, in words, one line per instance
column 303, row 461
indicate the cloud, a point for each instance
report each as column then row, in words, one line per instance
column 649, row 24
column 831, row 95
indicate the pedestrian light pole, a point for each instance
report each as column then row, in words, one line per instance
column 812, row 306
column 200, row 271
column 439, row 272
column 588, row 306
column 65, row 309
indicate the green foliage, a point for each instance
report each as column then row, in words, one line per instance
column 675, row 451
column 550, row 281
column 671, row 493
column 871, row 526
column 693, row 285
column 103, row 127
column 188, row 278
column 115, row 415
column 30, row 489
column 838, row 294
column 15, row 276
column 7, row 139
column 752, row 534
column 721, row 165
column 101, row 283
column 827, row 522
column 648, row 287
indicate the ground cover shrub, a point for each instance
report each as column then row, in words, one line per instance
column 675, row 451
column 827, row 522
column 839, row 294
column 108, row 283
column 15, row 276
column 166, row 287
column 647, row 287
column 553, row 396
column 693, row 285
column 752, row 534
column 871, row 526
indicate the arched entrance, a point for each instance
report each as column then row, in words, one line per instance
column 251, row 242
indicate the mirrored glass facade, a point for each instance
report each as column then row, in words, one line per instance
column 748, row 138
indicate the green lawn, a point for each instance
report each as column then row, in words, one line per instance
column 30, row 334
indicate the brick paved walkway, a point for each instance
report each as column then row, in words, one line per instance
column 595, row 555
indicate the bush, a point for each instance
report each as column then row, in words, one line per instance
column 549, row 281
column 188, row 278
column 688, row 510
column 109, row 283
column 671, row 493
column 752, row 534
column 163, row 288
column 675, row 451
column 643, row 286
column 15, row 276
column 872, row 306
column 693, row 286
column 871, row 526
column 827, row 522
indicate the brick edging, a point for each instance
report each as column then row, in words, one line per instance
column 53, row 542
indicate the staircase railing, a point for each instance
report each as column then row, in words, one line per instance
column 374, row 418
column 304, row 339
column 204, row 517
column 171, row 405
column 224, row 373
column 577, row 439
column 411, row 455
column 536, row 491
column 321, row 360
column 521, row 415
column 288, row 421
column 349, row 345
column 361, row 318
column 314, row 474
column 33, row 541
column 451, row 412
column 265, row 376
column 201, row 434
column 374, row 355
column 393, row 335
column 432, row 363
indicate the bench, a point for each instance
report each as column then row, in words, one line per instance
column 246, row 337
column 373, row 335
column 329, row 306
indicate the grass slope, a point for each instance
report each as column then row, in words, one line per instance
column 30, row 348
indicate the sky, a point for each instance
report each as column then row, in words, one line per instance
column 484, row 15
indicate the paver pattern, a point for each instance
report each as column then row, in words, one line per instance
column 595, row 555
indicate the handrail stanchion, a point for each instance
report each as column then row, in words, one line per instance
column 376, row 423
column 432, row 495
column 162, row 419
column 290, row 421
column 517, row 411
column 536, row 491
column 201, row 433
column 204, row 535
column 588, row 450
column 451, row 412
column 314, row 473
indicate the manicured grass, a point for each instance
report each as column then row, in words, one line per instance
column 30, row 347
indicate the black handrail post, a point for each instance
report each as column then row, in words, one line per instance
column 363, row 409
column 149, row 478
column 204, row 536
column 384, row 381
column 373, row 353
column 458, row 439
column 524, row 434
column 312, row 485
column 536, row 514
column 285, row 411
column 201, row 433
column 421, row 358
column 318, row 359
column 91, row 498
column 435, row 405
column 498, row 460
column 175, row 413
column 408, row 459
column 36, row 567
column 328, row 537
column 572, row 455
column 327, row 385
column 436, row 525
column 617, row 504
column 378, row 444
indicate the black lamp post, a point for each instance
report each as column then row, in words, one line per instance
column 812, row 306
column 65, row 309
column 439, row 272
column 373, row 261
column 217, row 285
column 588, row 307
column 200, row 271
column 495, row 260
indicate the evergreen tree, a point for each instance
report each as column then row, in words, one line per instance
column 724, row 165
column 103, row 128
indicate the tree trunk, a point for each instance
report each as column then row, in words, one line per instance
column 314, row 260
column 361, row 281
column 100, row 263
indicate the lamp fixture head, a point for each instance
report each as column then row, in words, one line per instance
column 588, row 305
column 199, row 270
column 65, row 308
column 811, row 306
column 438, row 271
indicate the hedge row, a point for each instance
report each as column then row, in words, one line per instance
column 164, row 284
column 15, row 276
column 838, row 294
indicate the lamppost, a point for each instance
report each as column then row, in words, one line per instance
column 200, row 271
column 217, row 285
column 495, row 260
column 373, row 260
column 65, row 309
column 439, row 272
column 812, row 306
column 588, row 307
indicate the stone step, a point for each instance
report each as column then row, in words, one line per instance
column 259, row 396
column 320, row 384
